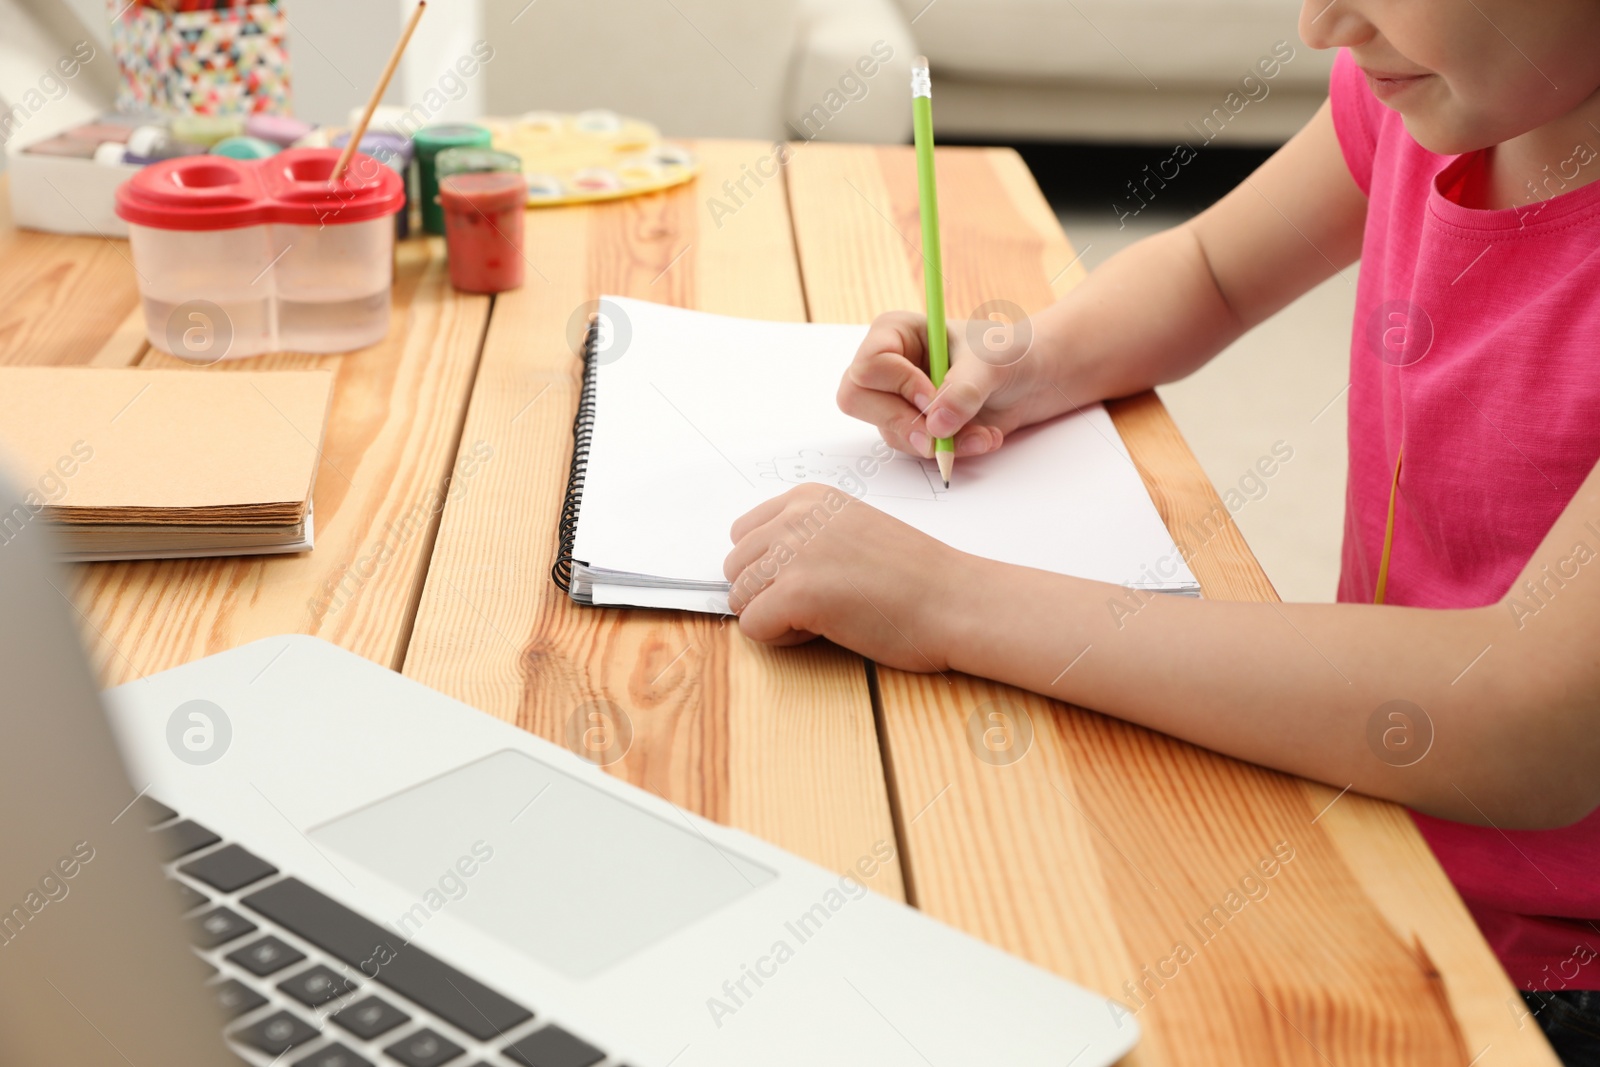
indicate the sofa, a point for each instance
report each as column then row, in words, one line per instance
column 1130, row 71
column 718, row 68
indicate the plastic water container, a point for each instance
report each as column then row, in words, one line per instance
column 240, row 257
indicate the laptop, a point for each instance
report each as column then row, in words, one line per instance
column 285, row 854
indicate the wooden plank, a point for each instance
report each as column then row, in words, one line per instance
column 61, row 298
column 1100, row 849
column 390, row 443
column 779, row 743
column 127, row 344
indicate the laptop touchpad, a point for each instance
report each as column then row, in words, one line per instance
column 575, row 877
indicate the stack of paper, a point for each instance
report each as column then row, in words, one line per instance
column 146, row 464
column 698, row 418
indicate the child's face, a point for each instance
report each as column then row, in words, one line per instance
column 1467, row 74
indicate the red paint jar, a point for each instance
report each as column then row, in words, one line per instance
column 483, row 230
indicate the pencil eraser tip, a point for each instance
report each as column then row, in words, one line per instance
column 920, row 61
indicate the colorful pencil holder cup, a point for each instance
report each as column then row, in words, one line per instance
column 219, row 60
column 240, row 257
column 483, row 215
column 430, row 142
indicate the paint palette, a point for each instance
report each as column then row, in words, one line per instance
column 590, row 156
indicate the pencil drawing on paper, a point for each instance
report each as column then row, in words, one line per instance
column 860, row 476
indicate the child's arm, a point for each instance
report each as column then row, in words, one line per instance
column 1509, row 698
column 1153, row 313
column 1512, row 701
column 1510, row 695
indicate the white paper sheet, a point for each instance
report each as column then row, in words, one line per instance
column 677, row 599
column 699, row 418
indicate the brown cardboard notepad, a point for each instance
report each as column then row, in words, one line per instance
column 159, row 463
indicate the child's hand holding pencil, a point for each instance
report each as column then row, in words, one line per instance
column 984, row 397
column 906, row 380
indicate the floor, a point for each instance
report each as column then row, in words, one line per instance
column 1282, row 382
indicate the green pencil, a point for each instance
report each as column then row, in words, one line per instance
column 944, row 449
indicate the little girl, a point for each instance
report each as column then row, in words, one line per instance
column 1457, row 158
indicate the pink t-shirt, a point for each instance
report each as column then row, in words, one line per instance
column 1476, row 343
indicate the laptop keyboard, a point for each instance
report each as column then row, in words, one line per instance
column 307, row 982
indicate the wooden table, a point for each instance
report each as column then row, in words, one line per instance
column 1103, row 853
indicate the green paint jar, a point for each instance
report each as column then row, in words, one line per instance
column 430, row 141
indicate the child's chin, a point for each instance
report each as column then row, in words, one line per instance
column 1440, row 135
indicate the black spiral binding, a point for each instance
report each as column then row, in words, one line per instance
column 582, row 434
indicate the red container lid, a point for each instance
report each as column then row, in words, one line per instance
column 292, row 187
column 193, row 193
column 297, row 180
column 496, row 191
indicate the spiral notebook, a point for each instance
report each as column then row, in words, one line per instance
column 687, row 420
